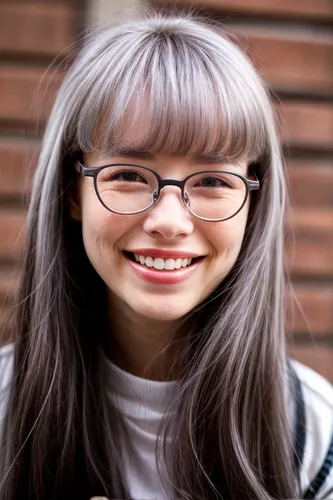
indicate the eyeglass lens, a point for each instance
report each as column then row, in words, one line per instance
column 211, row 195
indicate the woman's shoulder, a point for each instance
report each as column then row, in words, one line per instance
column 317, row 391
column 318, row 399
column 6, row 370
column 6, row 364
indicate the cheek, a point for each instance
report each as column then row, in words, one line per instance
column 101, row 228
column 227, row 236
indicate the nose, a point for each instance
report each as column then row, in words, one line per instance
column 169, row 217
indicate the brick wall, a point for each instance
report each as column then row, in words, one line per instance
column 32, row 34
column 291, row 43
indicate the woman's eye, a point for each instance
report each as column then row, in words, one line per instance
column 212, row 182
column 128, row 177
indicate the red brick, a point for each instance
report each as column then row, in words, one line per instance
column 12, row 226
column 290, row 72
column 310, row 259
column 311, row 183
column 6, row 324
column 312, row 311
column 17, row 164
column 310, row 254
column 319, row 358
column 309, row 222
column 27, row 93
column 36, row 28
column 307, row 124
column 312, row 9
column 9, row 280
column 8, row 286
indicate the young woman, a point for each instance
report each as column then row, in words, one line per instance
column 149, row 358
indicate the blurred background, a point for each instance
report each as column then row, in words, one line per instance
column 290, row 42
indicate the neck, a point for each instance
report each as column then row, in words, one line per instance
column 143, row 347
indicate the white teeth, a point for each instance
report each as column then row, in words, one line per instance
column 149, row 262
column 178, row 263
column 169, row 264
column 160, row 264
column 142, row 260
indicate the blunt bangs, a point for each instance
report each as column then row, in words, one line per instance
column 167, row 90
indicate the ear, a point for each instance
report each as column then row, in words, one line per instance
column 74, row 204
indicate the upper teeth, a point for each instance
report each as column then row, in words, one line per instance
column 159, row 263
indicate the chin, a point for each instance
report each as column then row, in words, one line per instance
column 162, row 312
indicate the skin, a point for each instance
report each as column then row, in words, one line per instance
column 144, row 316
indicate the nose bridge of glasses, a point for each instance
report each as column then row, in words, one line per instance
column 172, row 182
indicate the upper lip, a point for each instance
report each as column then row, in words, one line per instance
column 164, row 254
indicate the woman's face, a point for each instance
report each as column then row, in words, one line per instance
column 165, row 231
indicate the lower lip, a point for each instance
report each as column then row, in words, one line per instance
column 152, row 275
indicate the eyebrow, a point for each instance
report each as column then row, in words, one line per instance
column 145, row 155
column 211, row 159
column 133, row 153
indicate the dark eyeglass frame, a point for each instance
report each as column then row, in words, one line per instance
column 251, row 185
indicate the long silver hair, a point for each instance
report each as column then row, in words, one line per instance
column 231, row 428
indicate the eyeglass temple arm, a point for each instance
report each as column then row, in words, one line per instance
column 254, row 185
column 78, row 166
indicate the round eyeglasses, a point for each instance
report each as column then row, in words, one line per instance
column 210, row 195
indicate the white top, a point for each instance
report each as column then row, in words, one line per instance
column 143, row 402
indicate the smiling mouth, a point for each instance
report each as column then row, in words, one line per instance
column 160, row 264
